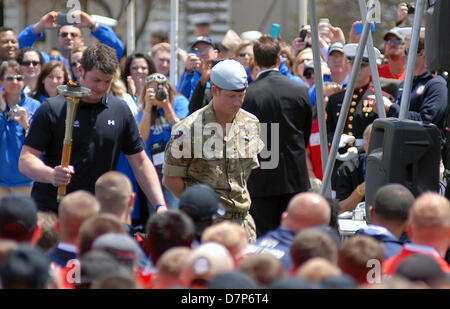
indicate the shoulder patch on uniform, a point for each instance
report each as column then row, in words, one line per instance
column 178, row 134
column 420, row 90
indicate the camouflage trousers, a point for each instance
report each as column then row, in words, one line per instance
column 245, row 220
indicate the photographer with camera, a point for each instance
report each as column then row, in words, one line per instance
column 202, row 52
column 16, row 112
column 403, row 11
column 162, row 108
column 328, row 34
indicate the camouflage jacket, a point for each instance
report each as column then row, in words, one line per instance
column 199, row 153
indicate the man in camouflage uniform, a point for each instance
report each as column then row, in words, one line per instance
column 218, row 145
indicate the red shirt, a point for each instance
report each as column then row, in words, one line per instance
column 385, row 72
column 314, row 148
column 391, row 264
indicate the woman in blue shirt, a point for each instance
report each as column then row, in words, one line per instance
column 53, row 74
column 161, row 108
column 16, row 112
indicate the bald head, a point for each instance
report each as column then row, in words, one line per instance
column 429, row 221
column 73, row 210
column 114, row 192
column 305, row 210
column 430, row 210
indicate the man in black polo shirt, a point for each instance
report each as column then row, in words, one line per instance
column 104, row 126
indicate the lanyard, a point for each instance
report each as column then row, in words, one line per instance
column 364, row 167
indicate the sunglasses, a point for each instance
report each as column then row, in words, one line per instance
column 66, row 34
column 10, row 78
column 395, row 41
column 242, row 55
column 28, row 63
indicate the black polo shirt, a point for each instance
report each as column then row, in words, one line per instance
column 101, row 131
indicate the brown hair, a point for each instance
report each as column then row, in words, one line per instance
column 267, row 51
column 289, row 51
column 96, row 226
column 311, row 243
column 46, row 70
column 264, row 268
column 13, row 64
column 100, row 57
column 354, row 254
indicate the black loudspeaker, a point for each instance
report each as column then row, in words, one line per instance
column 405, row 152
column 437, row 36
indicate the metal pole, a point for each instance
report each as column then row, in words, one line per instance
column 373, row 60
column 404, row 104
column 131, row 42
column 345, row 106
column 174, row 9
column 318, row 79
column 302, row 13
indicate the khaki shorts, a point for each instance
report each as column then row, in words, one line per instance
column 5, row 191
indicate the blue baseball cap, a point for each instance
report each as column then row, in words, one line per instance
column 229, row 74
column 204, row 39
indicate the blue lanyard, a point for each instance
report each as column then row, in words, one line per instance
column 364, row 167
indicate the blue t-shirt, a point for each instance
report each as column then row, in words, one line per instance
column 160, row 131
column 12, row 136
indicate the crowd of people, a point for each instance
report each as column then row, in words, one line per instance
column 212, row 182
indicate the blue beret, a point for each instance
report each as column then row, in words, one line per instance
column 229, row 75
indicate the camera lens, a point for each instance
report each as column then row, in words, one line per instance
column 160, row 94
column 411, row 8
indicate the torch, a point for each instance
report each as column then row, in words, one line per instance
column 73, row 94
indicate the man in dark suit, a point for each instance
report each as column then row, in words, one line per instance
column 280, row 104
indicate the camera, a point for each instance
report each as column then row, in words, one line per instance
column 14, row 111
column 160, row 94
column 63, row 20
column 302, row 34
column 159, row 79
column 411, row 8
